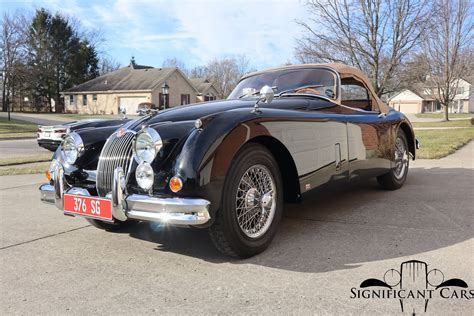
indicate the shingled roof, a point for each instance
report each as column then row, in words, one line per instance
column 201, row 84
column 132, row 77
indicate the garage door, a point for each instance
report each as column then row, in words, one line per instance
column 407, row 107
column 131, row 103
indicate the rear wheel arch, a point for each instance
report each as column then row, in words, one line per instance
column 286, row 164
column 410, row 138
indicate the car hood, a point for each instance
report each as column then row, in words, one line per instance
column 198, row 110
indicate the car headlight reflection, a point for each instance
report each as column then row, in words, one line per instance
column 145, row 176
column 147, row 145
column 72, row 147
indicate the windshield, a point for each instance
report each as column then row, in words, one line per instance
column 318, row 81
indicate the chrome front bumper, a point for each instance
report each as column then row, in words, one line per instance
column 176, row 211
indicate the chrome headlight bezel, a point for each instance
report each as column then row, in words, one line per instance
column 72, row 148
column 151, row 140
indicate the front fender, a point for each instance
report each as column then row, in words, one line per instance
column 207, row 154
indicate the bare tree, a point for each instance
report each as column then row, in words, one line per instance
column 449, row 49
column 12, row 46
column 372, row 35
column 107, row 64
column 226, row 73
column 174, row 62
column 198, row 72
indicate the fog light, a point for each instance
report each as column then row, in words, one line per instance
column 176, row 184
column 144, row 176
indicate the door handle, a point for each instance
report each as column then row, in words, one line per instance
column 382, row 115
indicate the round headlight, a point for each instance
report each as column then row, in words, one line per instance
column 147, row 144
column 72, row 147
column 145, row 176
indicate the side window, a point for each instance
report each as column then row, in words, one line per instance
column 356, row 95
column 351, row 92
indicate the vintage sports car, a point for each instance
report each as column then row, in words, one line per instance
column 229, row 165
column 50, row 137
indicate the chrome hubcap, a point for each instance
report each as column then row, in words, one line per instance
column 401, row 158
column 256, row 201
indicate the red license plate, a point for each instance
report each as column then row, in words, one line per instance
column 88, row 206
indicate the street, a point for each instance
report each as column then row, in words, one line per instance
column 21, row 147
column 335, row 239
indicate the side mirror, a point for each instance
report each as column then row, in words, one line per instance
column 266, row 94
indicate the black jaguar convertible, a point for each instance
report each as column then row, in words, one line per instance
column 229, row 166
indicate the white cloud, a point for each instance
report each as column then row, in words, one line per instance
column 194, row 31
column 265, row 31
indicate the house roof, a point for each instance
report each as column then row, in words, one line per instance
column 407, row 92
column 132, row 77
column 202, row 85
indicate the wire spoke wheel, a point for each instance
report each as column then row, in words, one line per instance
column 256, row 201
column 401, row 158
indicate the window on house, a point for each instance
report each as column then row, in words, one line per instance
column 185, row 99
column 164, row 100
column 84, row 99
column 209, row 97
column 460, row 90
column 94, row 97
column 71, row 99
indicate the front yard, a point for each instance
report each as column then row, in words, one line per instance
column 436, row 144
column 16, row 129
column 441, row 115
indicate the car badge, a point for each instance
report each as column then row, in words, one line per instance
column 121, row 131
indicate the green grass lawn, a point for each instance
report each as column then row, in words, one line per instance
column 441, row 115
column 14, row 128
column 25, row 159
column 436, row 144
column 24, row 169
column 457, row 123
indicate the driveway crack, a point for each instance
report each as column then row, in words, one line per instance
column 44, row 237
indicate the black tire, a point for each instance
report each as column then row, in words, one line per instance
column 390, row 180
column 226, row 233
column 111, row 227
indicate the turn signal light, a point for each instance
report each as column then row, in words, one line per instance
column 176, row 184
column 48, row 175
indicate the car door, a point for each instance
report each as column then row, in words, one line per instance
column 368, row 131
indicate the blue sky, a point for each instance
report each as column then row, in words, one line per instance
column 194, row 31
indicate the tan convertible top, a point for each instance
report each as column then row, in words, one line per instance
column 344, row 71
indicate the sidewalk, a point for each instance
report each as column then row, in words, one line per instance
column 414, row 119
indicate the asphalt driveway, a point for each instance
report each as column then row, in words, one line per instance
column 53, row 264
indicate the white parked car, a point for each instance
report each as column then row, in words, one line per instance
column 50, row 137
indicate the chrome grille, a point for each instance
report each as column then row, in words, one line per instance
column 117, row 152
